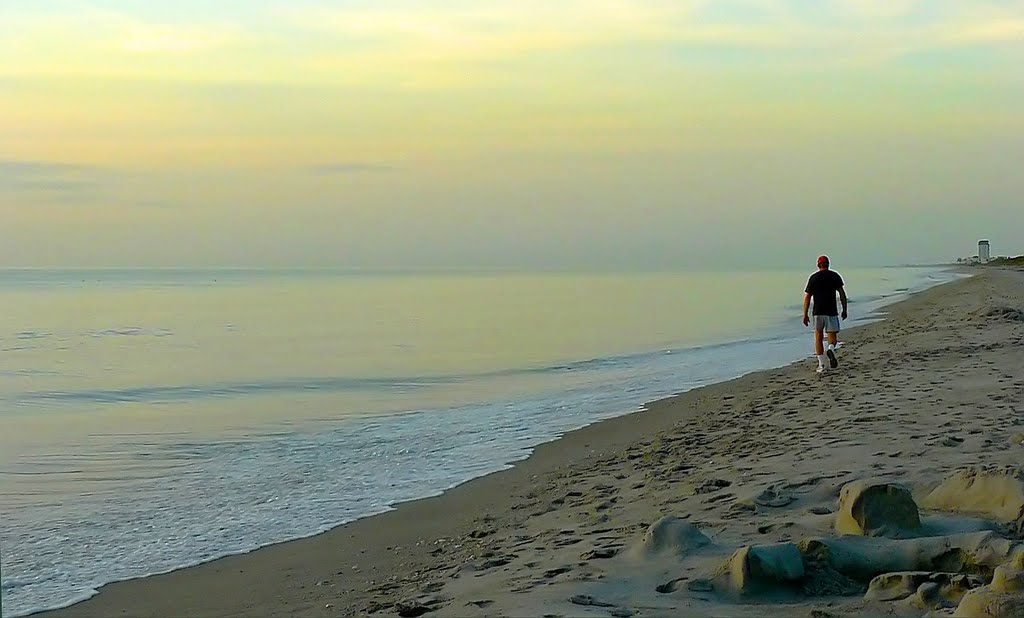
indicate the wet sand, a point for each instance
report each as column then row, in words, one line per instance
column 757, row 461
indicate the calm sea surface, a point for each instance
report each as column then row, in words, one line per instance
column 151, row 419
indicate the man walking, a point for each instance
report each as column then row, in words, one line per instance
column 822, row 288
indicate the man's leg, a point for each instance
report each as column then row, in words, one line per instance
column 833, row 338
column 832, row 326
column 819, row 347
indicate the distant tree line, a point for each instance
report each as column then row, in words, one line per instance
column 1006, row 261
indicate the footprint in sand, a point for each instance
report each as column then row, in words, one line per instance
column 555, row 572
column 773, row 497
column 587, row 600
column 482, row 603
column 695, row 585
column 599, row 553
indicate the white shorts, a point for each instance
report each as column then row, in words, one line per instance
column 827, row 323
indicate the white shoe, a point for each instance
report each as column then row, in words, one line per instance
column 822, row 369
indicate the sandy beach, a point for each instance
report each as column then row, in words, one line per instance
column 783, row 492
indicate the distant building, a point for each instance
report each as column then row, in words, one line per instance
column 984, row 251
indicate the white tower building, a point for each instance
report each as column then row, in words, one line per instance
column 984, row 252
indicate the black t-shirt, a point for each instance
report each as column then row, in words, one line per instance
column 822, row 286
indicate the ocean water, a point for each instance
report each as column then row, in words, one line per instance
column 153, row 419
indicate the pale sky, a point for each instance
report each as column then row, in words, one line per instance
column 620, row 134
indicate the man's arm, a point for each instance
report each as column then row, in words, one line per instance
column 807, row 307
column 842, row 299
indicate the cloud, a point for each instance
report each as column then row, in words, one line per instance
column 47, row 183
column 145, row 38
column 52, row 181
column 992, row 31
column 875, row 9
column 12, row 168
column 111, row 44
column 157, row 42
column 489, row 29
column 409, row 36
column 448, row 43
column 331, row 169
column 153, row 203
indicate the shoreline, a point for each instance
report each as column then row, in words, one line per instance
column 335, row 571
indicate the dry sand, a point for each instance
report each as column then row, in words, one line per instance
column 760, row 460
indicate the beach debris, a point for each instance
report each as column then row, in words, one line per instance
column 819, row 510
column 671, row 534
column 1009, row 577
column 877, row 508
column 863, row 558
column 621, row 612
column 996, row 492
column 952, row 441
column 756, row 568
column 587, row 600
column 928, row 596
column 902, row 584
column 1003, row 597
column 926, row 573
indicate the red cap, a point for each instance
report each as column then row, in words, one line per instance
column 823, row 261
